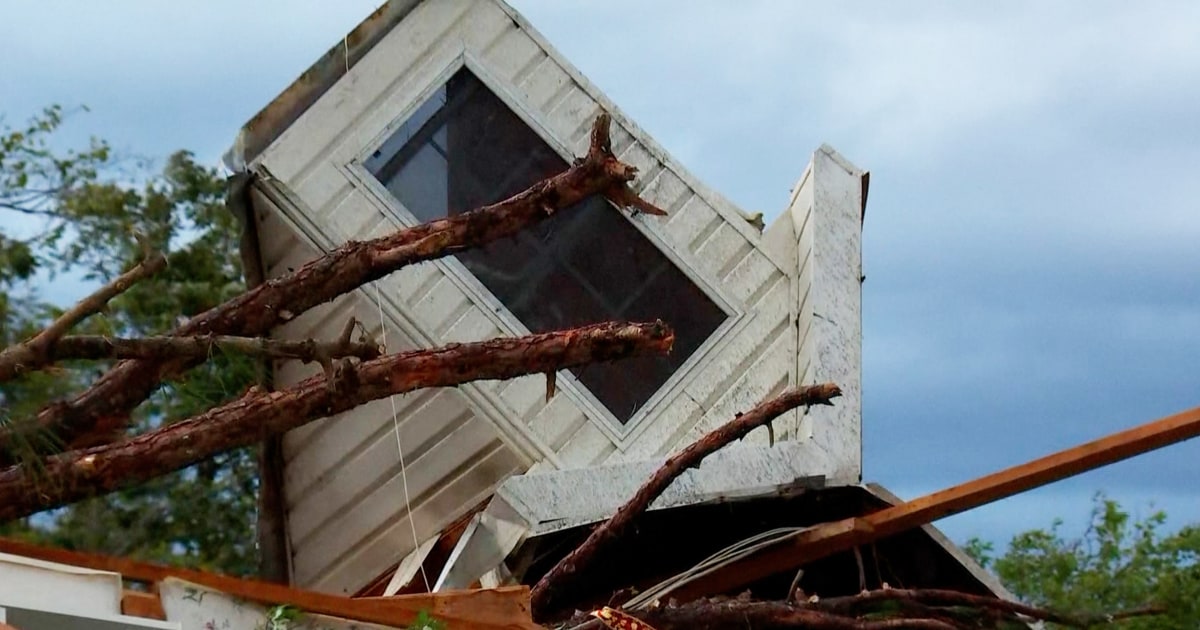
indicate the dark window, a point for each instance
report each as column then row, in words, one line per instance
column 464, row 148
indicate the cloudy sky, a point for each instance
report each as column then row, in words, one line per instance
column 1030, row 243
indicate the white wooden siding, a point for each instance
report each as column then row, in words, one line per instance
column 346, row 518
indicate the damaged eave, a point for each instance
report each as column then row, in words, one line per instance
column 271, row 121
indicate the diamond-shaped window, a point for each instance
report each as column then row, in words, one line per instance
column 464, row 148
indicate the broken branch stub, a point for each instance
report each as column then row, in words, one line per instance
column 344, row 269
column 80, row 474
column 557, row 588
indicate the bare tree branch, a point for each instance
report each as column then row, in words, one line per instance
column 75, row 475
column 36, row 351
column 201, row 347
column 913, row 609
column 555, row 588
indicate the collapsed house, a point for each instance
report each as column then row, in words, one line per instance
column 429, row 109
column 459, row 498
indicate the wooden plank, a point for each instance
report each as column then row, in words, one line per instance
column 830, row 538
column 142, row 604
column 506, row 607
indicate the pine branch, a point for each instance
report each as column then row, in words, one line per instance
column 76, row 475
column 37, row 351
column 201, row 347
column 918, row 610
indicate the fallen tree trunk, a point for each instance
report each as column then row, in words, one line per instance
column 67, row 477
column 200, row 347
column 926, row 609
column 556, row 588
column 256, row 312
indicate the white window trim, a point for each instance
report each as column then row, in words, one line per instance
column 621, row 434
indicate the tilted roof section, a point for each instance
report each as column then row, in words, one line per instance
column 261, row 130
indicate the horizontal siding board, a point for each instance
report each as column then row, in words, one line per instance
column 363, row 450
column 692, row 221
column 769, row 320
column 666, row 191
column 569, row 118
column 408, row 46
column 660, row 437
column 768, row 375
column 555, row 422
column 473, row 325
column 386, row 502
column 443, row 301
column 512, row 53
column 721, row 250
column 587, row 446
column 751, row 276
column 383, row 548
column 543, row 84
column 525, row 395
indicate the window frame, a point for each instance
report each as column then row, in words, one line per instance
column 621, row 434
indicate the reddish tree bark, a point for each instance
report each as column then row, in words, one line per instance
column 82, row 421
column 555, row 588
column 201, row 347
column 925, row 609
column 61, row 479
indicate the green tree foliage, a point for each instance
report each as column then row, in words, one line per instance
column 82, row 213
column 1120, row 563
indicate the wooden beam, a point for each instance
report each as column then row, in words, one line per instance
column 142, row 604
column 829, row 538
column 492, row 609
